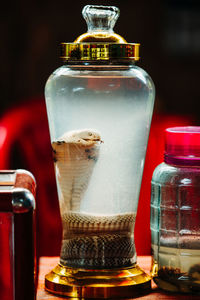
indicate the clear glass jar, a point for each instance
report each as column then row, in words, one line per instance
column 99, row 107
column 175, row 212
column 115, row 102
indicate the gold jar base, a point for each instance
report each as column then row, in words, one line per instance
column 82, row 283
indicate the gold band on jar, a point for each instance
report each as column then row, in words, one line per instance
column 99, row 51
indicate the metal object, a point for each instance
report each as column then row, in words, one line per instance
column 17, row 235
column 99, row 51
column 80, row 283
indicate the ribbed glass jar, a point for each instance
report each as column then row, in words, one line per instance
column 175, row 213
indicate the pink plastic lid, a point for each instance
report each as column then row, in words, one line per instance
column 182, row 145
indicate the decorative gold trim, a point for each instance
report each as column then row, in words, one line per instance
column 100, row 37
column 80, row 283
column 99, row 51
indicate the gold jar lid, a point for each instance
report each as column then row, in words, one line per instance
column 100, row 43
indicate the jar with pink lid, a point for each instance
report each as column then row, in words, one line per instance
column 175, row 212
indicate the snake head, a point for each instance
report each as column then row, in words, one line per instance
column 86, row 137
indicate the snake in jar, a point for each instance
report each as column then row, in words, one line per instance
column 75, row 155
column 89, row 241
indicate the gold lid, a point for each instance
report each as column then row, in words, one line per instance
column 100, row 42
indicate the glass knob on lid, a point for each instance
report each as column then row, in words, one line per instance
column 100, row 21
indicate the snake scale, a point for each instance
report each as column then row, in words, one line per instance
column 89, row 241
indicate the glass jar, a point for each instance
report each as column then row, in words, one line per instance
column 99, row 107
column 175, row 212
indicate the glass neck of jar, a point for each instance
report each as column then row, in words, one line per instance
column 108, row 63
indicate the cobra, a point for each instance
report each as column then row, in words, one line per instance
column 89, row 241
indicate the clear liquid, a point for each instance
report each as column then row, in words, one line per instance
column 183, row 259
column 177, row 269
column 117, row 102
column 120, row 109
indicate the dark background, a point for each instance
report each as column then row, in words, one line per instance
column 168, row 30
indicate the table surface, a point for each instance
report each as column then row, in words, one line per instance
column 48, row 263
